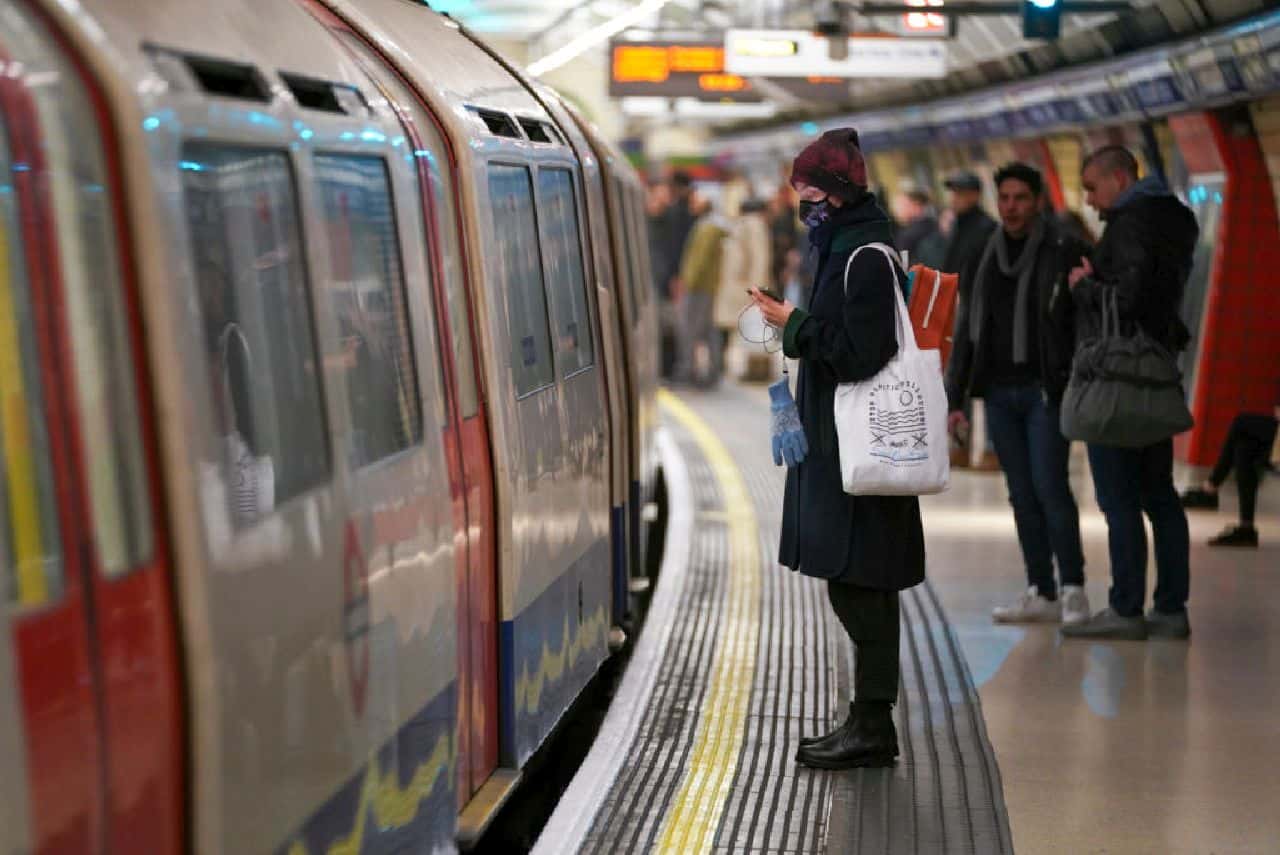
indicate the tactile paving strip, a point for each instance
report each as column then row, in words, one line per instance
column 943, row 796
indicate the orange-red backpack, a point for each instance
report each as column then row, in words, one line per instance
column 933, row 308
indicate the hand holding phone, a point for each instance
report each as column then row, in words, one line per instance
column 767, row 293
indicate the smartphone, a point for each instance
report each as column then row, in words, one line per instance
column 770, row 294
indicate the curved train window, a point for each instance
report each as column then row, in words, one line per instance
column 562, row 252
column 30, row 559
column 640, row 228
column 458, row 314
column 104, row 385
column 241, row 207
column 367, row 291
column 629, row 247
column 516, row 232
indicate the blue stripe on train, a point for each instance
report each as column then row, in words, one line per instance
column 550, row 651
column 405, row 793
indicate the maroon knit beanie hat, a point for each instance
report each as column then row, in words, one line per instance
column 833, row 162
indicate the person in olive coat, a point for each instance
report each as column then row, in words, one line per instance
column 868, row 548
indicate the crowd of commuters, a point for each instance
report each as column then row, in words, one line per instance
column 1033, row 285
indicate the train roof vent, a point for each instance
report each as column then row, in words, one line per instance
column 227, row 78
column 537, row 131
column 499, row 124
column 316, row 94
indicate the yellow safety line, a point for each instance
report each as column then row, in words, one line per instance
column 703, row 793
column 24, row 507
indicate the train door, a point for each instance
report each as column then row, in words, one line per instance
column 83, row 558
column 466, row 429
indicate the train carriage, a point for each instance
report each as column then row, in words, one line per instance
column 327, row 397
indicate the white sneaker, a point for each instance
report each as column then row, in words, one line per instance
column 1030, row 607
column 1075, row 604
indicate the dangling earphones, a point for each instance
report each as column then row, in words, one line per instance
column 753, row 329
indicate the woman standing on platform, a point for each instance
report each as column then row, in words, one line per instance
column 868, row 548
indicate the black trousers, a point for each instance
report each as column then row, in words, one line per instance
column 1247, row 447
column 872, row 620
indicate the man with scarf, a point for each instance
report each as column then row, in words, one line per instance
column 868, row 548
column 1013, row 346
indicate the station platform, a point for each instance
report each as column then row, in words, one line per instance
column 1011, row 738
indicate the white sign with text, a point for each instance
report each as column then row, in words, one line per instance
column 799, row 53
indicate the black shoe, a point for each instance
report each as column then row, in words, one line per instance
column 871, row 741
column 1240, row 535
column 1162, row 625
column 1198, row 498
column 806, row 741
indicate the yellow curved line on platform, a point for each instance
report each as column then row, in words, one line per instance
column 18, row 454
column 551, row 666
column 700, row 801
column 393, row 806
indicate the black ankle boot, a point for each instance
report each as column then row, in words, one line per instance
column 823, row 740
column 871, row 741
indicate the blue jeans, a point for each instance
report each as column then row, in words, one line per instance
column 1023, row 425
column 1130, row 481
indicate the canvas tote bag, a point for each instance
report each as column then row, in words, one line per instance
column 892, row 429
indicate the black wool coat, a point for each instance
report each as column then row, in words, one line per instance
column 872, row 541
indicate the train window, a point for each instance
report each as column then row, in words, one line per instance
column 516, row 232
column 627, row 240
column 562, row 247
column 30, row 560
column 640, row 230
column 367, row 292
column 104, row 383
column 455, row 288
column 241, row 207
column 450, row 245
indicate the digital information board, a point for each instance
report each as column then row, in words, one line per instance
column 696, row 69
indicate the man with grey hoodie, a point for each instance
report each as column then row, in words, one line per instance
column 1143, row 261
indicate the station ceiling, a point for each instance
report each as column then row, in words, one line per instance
column 985, row 49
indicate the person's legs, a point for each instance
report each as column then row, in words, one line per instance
column 1169, row 528
column 1050, row 453
column 1116, row 475
column 1008, row 425
column 1255, row 436
column 1251, row 457
column 1227, row 457
column 872, row 622
column 692, row 333
column 868, row 737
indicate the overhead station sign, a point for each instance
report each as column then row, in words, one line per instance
column 799, row 53
column 675, row 70
column 696, row 69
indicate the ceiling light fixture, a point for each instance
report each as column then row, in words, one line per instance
column 594, row 36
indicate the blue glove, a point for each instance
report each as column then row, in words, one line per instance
column 789, row 444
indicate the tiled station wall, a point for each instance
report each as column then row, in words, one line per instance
column 1240, row 354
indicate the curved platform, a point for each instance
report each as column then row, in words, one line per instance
column 739, row 659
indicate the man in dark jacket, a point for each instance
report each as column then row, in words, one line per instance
column 868, row 548
column 1012, row 347
column 1142, row 262
column 972, row 226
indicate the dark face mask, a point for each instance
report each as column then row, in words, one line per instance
column 814, row 214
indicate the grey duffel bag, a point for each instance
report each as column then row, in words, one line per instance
column 1125, row 390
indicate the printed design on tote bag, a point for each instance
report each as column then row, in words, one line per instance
column 896, row 419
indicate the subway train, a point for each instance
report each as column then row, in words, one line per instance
column 328, row 374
